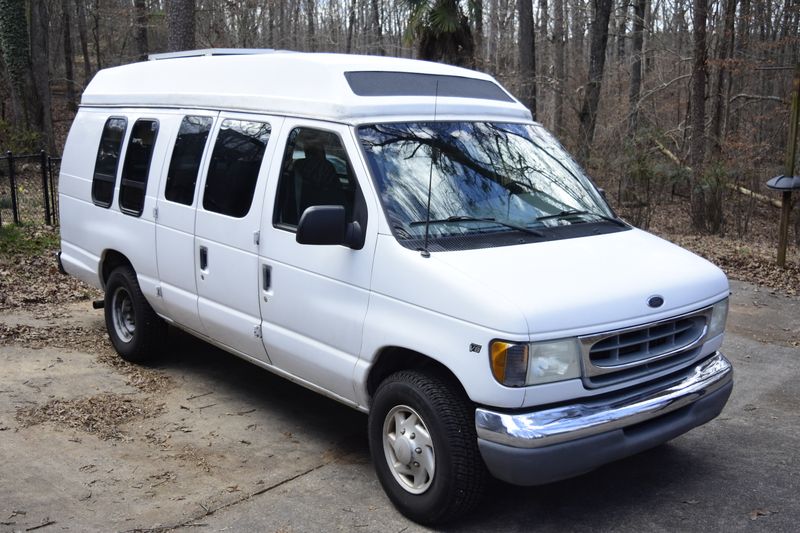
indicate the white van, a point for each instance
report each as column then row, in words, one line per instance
column 399, row 236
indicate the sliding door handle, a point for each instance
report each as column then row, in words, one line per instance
column 203, row 258
column 266, row 277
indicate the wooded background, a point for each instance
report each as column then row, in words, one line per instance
column 654, row 96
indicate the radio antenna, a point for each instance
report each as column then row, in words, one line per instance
column 424, row 251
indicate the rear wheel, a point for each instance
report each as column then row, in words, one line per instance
column 423, row 444
column 133, row 327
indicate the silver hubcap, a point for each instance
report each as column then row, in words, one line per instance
column 409, row 450
column 122, row 314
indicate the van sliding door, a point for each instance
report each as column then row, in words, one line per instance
column 227, row 221
column 177, row 199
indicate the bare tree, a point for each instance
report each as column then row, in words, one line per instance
column 140, row 12
column 527, row 55
column 597, row 60
column 80, row 10
column 180, row 25
column 69, row 73
column 39, row 30
column 698, row 102
column 636, row 66
column 558, row 65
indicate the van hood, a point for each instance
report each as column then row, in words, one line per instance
column 587, row 284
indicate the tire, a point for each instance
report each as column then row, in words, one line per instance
column 424, row 447
column 133, row 327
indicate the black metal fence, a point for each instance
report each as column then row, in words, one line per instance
column 28, row 188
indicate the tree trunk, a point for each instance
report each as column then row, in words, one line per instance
column 725, row 51
column 545, row 61
column 351, row 22
column 376, row 26
column 180, row 25
column 636, row 66
column 140, row 13
column 698, row 115
column 477, row 16
column 40, row 24
column 698, row 198
column 527, row 55
column 96, row 34
column 558, row 63
column 621, row 25
column 17, row 57
column 311, row 14
column 597, row 60
column 84, row 39
column 69, row 71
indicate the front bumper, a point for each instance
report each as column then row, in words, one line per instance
column 539, row 447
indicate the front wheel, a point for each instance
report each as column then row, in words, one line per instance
column 424, row 447
column 133, row 327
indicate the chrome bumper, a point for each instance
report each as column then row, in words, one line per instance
column 570, row 422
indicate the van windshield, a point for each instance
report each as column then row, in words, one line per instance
column 486, row 180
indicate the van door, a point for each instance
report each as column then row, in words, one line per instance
column 226, row 231
column 177, row 200
column 314, row 298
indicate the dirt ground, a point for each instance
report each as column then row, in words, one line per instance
column 203, row 440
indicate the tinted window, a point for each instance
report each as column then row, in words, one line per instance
column 233, row 169
column 105, row 168
column 315, row 171
column 414, row 84
column 186, row 156
column 137, row 166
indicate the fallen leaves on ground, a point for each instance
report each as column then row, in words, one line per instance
column 101, row 414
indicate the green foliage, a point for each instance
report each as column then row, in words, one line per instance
column 27, row 240
column 18, row 140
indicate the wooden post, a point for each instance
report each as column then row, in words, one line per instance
column 791, row 151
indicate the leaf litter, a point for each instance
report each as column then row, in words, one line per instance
column 101, row 415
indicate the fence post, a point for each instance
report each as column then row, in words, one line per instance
column 45, row 185
column 12, row 181
column 53, row 193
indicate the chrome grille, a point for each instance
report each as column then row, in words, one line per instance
column 623, row 354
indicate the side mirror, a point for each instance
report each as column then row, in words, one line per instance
column 326, row 224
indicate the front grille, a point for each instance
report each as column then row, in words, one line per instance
column 647, row 342
column 629, row 353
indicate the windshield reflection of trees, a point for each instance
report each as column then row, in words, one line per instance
column 507, row 172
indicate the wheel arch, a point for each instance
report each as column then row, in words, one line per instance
column 111, row 260
column 392, row 359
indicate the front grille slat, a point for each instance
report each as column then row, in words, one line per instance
column 614, row 357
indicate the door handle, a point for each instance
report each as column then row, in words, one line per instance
column 266, row 274
column 203, row 258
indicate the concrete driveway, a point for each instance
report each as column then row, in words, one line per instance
column 206, row 442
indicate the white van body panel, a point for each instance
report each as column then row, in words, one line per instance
column 227, row 289
column 89, row 231
column 175, row 246
column 313, row 312
column 289, row 84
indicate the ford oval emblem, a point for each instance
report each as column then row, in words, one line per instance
column 655, row 301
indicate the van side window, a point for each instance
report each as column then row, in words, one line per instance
column 105, row 167
column 315, row 171
column 186, row 156
column 136, row 167
column 233, row 169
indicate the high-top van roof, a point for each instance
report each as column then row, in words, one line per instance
column 343, row 88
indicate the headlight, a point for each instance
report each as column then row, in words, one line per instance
column 518, row 364
column 719, row 315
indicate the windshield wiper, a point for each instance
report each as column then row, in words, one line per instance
column 573, row 212
column 464, row 218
